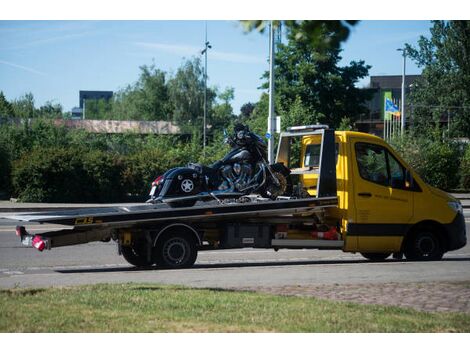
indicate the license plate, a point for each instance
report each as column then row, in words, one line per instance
column 152, row 191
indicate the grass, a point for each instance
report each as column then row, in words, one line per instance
column 155, row 308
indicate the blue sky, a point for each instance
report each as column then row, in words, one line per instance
column 56, row 59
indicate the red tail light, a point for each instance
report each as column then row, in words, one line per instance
column 38, row 243
column 157, row 181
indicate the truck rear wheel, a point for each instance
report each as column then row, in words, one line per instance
column 175, row 251
column 423, row 244
column 136, row 255
column 376, row 257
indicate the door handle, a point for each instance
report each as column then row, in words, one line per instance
column 365, row 194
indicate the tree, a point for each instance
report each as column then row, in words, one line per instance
column 147, row 99
column 321, row 34
column 24, row 106
column 222, row 113
column 443, row 89
column 304, row 74
column 98, row 109
column 6, row 109
column 186, row 93
column 246, row 110
column 50, row 110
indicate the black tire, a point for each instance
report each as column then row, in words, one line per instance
column 136, row 255
column 176, row 251
column 182, row 203
column 423, row 244
column 376, row 257
column 271, row 191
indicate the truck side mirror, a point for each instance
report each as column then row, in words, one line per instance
column 408, row 179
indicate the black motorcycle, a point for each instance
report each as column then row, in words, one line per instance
column 241, row 172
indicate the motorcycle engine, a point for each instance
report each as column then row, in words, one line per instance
column 237, row 176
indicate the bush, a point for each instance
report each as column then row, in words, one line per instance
column 465, row 170
column 5, row 170
column 435, row 159
column 68, row 175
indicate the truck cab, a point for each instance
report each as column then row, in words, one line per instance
column 384, row 207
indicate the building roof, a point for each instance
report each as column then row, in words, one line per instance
column 391, row 82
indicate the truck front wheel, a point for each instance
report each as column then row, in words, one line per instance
column 423, row 244
column 175, row 251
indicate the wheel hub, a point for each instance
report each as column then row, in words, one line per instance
column 175, row 251
column 425, row 245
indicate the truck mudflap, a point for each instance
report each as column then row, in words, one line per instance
column 456, row 233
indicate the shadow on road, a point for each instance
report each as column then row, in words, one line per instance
column 250, row 264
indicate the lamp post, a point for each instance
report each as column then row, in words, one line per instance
column 204, row 52
column 271, row 116
column 403, row 117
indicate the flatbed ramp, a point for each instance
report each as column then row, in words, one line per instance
column 128, row 216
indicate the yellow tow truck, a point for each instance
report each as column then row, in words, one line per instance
column 352, row 192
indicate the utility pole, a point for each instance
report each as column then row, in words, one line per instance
column 403, row 117
column 272, row 116
column 204, row 52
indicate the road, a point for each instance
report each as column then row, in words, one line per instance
column 99, row 262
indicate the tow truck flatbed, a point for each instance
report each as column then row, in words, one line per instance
column 155, row 213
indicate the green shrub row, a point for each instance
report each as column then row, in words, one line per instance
column 441, row 162
column 44, row 163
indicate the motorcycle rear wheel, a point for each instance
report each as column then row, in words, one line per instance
column 271, row 190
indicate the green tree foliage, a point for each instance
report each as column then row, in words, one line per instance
column 222, row 112
column 24, row 106
column 6, row 108
column 314, row 76
column 186, row 94
column 444, row 85
column 5, row 169
column 246, row 110
column 61, row 174
column 50, row 111
column 146, row 99
column 465, row 169
column 434, row 158
column 98, row 109
column 322, row 34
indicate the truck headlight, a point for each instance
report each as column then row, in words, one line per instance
column 457, row 206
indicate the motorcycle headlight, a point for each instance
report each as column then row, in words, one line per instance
column 456, row 206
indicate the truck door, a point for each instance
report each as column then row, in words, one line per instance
column 383, row 205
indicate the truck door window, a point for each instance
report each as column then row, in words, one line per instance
column 372, row 163
column 397, row 173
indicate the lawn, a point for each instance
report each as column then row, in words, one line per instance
column 156, row 308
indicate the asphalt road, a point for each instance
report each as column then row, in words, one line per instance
column 99, row 263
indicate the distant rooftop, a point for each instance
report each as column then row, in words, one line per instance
column 391, row 82
column 94, row 95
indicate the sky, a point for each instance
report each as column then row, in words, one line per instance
column 55, row 59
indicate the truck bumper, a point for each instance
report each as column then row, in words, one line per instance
column 456, row 232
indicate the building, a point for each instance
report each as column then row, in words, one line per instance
column 383, row 86
column 77, row 112
column 94, row 95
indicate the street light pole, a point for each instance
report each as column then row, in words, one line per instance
column 204, row 52
column 403, row 117
column 271, row 117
